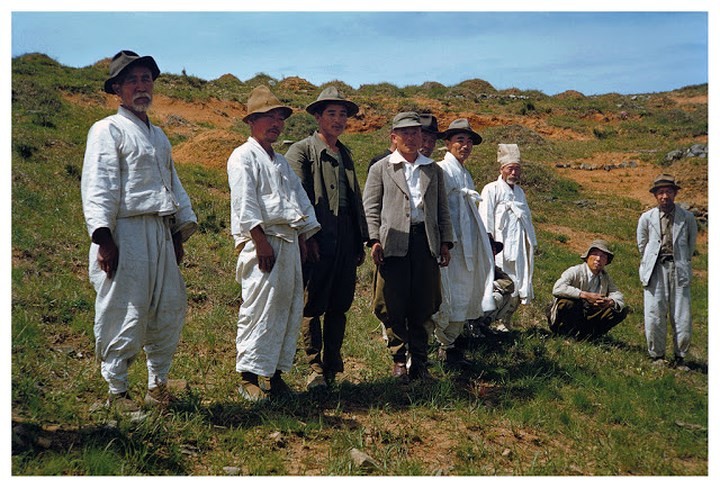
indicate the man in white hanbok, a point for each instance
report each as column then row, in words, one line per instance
column 506, row 215
column 271, row 216
column 467, row 282
column 138, row 216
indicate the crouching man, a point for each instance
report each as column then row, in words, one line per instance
column 587, row 303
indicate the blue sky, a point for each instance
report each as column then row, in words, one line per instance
column 592, row 52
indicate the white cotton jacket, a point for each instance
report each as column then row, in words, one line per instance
column 506, row 215
column 266, row 192
column 649, row 240
column 128, row 171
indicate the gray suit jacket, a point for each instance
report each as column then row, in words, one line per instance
column 386, row 199
column 649, row 241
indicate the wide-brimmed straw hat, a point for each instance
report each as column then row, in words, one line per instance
column 125, row 59
column 332, row 95
column 600, row 245
column 663, row 180
column 461, row 125
column 261, row 101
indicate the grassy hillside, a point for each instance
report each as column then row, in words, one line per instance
column 532, row 404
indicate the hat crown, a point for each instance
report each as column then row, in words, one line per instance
column 461, row 125
column 664, row 179
column 406, row 119
column 508, row 154
column 428, row 122
column 261, row 100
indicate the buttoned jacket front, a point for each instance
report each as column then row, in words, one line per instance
column 387, row 207
column 649, row 240
column 319, row 172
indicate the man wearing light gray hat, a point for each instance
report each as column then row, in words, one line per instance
column 325, row 167
column 587, row 303
column 410, row 235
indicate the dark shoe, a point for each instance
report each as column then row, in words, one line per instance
column 452, row 358
column 679, row 364
column 400, row 372
column 250, row 387
column 420, row 372
column 278, row 387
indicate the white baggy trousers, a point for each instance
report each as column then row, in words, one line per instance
column 271, row 312
column 143, row 306
column 663, row 299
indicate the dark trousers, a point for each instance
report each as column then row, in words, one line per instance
column 577, row 318
column 329, row 292
column 407, row 293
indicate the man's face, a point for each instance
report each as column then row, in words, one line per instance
column 428, row 143
column 333, row 120
column 267, row 127
column 407, row 140
column 511, row 173
column 136, row 90
column 596, row 260
column 460, row 145
column 665, row 196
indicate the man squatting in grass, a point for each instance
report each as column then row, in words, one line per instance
column 666, row 238
column 327, row 172
column 587, row 303
column 271, row 218
column 138, row 216
column 467, row 282
column 506, row 216
column 410, row 232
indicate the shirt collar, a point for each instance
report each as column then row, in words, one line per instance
column 397, row 158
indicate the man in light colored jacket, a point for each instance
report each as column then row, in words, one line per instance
column 587, row 303
column 138, row 216
column 666, row 240
column 410, row 234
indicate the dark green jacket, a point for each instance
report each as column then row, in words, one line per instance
column 318, row 171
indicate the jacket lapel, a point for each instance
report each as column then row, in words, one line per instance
column 397, row 174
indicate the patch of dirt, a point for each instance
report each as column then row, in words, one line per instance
column 210, row 148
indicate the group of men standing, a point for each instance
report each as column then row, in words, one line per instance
column 444, row 254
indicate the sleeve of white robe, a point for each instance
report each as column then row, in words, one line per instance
column 101, row 180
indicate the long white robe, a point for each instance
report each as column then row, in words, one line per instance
column 129, row 185
column 268, row 193
column 506, row 215
column 467, row 282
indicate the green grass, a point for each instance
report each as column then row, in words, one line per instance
column 531, row 404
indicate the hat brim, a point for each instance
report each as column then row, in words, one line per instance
column 664, row 185
column 474, row 136
column 319, row 105
column 144, row 60
column 287, row 112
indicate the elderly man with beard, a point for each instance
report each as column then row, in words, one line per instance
column 467, row 282
column 506, row 215
column 271, row 218
column 138, row 216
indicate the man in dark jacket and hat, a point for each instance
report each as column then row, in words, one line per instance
column 587, row 303
column 326, row 169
